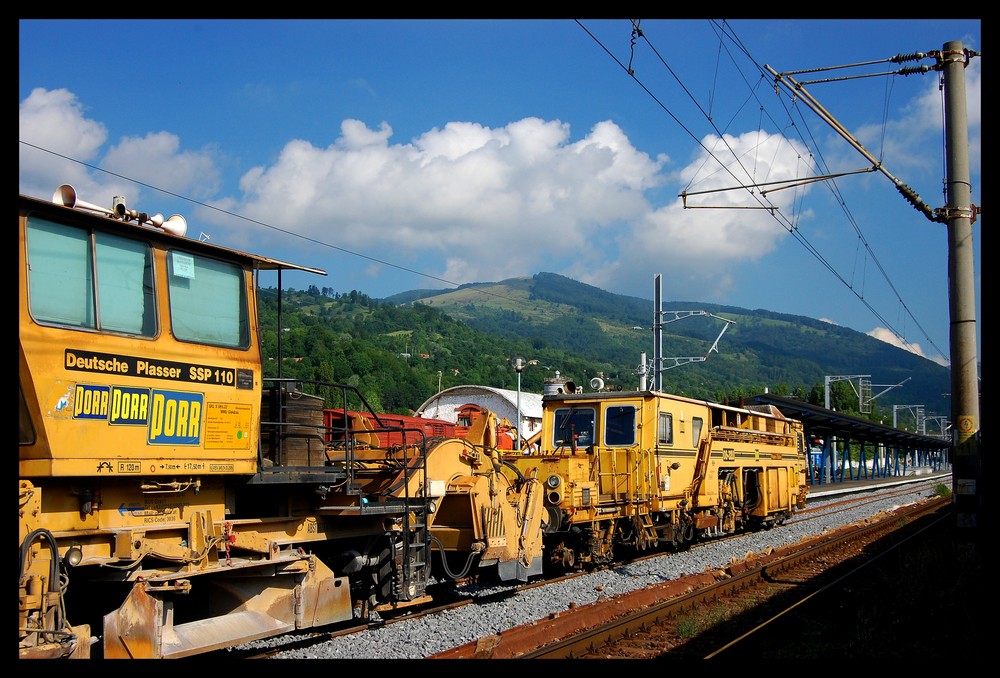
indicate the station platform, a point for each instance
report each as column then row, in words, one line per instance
column 848, row 486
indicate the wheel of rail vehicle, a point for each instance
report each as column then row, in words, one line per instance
column 563, row 556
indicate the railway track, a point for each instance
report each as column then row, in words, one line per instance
column 720, row 618
column 565, row 623
column 445, row 601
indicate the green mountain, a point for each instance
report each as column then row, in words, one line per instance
column 704, row 355
column 401, row 350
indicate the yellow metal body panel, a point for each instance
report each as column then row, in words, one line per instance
column 162, row 412
column 131, row 445
column 655, row 467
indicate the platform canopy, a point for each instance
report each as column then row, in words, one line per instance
column 821, row 422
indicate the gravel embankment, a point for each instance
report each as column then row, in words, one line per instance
column 424, row 636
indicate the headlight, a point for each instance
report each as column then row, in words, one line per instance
column 74, row 555
column 553, row 481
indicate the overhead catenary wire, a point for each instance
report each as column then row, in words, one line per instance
column 911, row 196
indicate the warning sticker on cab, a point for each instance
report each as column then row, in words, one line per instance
column 129, row 467
column 227, row 426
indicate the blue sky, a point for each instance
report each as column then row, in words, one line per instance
column 406, row 154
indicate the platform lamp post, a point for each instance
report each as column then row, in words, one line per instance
column 518, row 363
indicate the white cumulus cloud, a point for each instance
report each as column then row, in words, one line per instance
column 890, row 337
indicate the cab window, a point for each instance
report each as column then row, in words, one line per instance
column 619, row 425
column 665, row 429
column 696, row 424
column 90, row 279
column 207, row 300
column 574, row 424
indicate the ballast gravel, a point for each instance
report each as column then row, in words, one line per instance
column 424, row 636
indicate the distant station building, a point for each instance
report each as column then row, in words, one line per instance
column 454, row 404
column 451, row 405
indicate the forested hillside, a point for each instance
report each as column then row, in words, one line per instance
column 396, row 356
column 399, row 350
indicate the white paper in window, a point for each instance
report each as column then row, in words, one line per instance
column 183, row 265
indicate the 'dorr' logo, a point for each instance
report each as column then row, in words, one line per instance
column 118, row 405
column 129, row 406
column 175, row 418
column 90, row 402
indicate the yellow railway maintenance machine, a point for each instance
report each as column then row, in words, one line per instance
column 171, row 499
column 646, row 469
column 141, row 387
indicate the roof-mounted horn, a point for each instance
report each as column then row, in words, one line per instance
column 66, row 195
